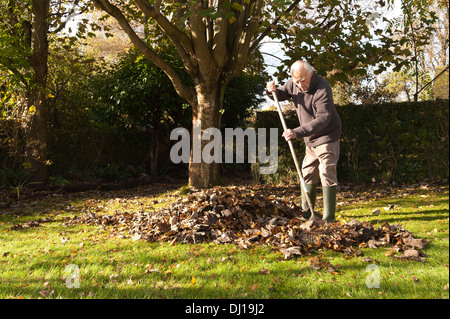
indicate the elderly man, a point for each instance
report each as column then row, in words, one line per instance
column 320, row 127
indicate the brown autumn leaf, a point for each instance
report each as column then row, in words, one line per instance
column 25, row 225
column 264, row 271
column 290, row 252
column 45, row 293
column 318, row 263
column 411, row 253
column 389, row 253
column 414, row 242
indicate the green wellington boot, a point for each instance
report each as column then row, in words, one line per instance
column 329, row 203
column 312, row 195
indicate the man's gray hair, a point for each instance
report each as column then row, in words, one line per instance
column 301, row 64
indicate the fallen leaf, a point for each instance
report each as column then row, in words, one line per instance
column 254, row 287
column 290, row 252
column 150, row 269
column 414, row 278
column 193, row 281
column 415, row 242
column 45, row 293
column 136, row 237
column 389, row 253
column 411, row 253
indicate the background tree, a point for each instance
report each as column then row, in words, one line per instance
column 24, row 37
column 107, row 41
column 364, row 89
column 423, row 29
column 437, row 52
column 415, row 30
column 343, row 40
column 26, row 28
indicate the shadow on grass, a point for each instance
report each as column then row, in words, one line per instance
column 425, row 216
column 391, row 218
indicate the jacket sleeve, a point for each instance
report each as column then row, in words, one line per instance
column 283, row 92
column 323, row 103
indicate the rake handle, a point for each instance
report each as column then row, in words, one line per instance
column 294, row 156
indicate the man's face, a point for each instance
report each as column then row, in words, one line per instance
column 302, row 79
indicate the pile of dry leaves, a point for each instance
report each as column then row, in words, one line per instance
column 251, row 216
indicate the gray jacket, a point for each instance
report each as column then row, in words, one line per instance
column 319, row 121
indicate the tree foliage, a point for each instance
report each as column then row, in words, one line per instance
column 28, row 29
column 415, row 29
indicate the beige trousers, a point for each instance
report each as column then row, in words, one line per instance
column 320, row 164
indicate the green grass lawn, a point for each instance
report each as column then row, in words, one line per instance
column 55, row 261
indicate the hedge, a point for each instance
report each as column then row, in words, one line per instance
column 393, row 142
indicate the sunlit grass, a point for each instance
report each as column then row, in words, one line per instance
column 36, row 262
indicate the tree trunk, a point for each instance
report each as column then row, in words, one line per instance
column 207, row 114
column 212, row 54
column 36, row 149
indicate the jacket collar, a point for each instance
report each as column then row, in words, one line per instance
column 313, row 83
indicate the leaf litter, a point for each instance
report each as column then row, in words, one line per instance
column 249, row 216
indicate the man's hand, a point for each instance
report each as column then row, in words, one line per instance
column 271, row 87
column 289, row 134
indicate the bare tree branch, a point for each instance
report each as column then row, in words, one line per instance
column 199, row 40
column 242, row 42
column 177, row 36
column 220, row 35
column 269, row 28
column 72, row 13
